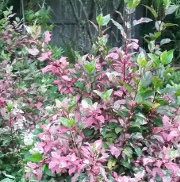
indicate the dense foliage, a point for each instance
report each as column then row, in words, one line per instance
column 112, row 116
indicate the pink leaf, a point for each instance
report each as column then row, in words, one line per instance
column 47, row 69
column 38, row 105
column 32, row 165
column 173, row 167
column 72, row 170
column 100, row 118
column 47, row 36
column 166, row 121
column 158, row 171
column 33, row 51
column 45, row 56
column 148, row 160
column 112, row 55
column 133, row 45
column 66, row 78
column 52, row 164
column 115, row 151
column 172, row 135
column 55, row 155
column 98, row 144
column 63, row 62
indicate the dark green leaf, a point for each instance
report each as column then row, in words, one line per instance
column 138, row 150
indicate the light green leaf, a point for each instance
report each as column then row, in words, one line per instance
column 171, row 9
column 35, row 157
column 90, row 66
column 152, row 11
column 107, row 94
column 141, row 59
column 146, row 79
column 132, row 3
column 106, row 19
column 104, row 95
column 99, row 19
column 127, row 86
column 166, row 3
column 7, row 180
column 165, row 25
column 128, row 152
column 67, row 122
column 155, row 59
column 165, row 41
column 167, row 56
column 103, row 20
column 157, row 82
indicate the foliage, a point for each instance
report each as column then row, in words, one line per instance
column 111, row 116
column 23, row 90
column 117, row 121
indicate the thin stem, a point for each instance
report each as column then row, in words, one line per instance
column 23, row 13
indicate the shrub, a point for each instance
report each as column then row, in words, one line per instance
column 24, row 93
column 116, row 121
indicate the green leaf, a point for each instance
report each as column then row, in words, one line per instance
column 128, row 152
column 88, row 132
column 127, row 86
column 103, row 20
column 157, row 82
column 67, row 122
column 165, row 25
column 155, row 59
column 79, row 85
column 8, row 176
column 141, row 20
column 35, row 157
column 70, row 108
column 132, row 3
column 104, row 95
column 7, row 180
column 146, row 79
column 171, row 9
column 141, row 59
column 99, row 19
column 151, row 46
column 90, row 66
column 135, row 125
column 152, row 11
column 167, row 56
column 106, row 19
column 166, row 3
column 107, row 94
column 138, row 150
column 126, row 164
column 47, row 171
column 137, row 136
column 120, row 27
column 141, row 119
column 165, row 41
column 118, row 130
